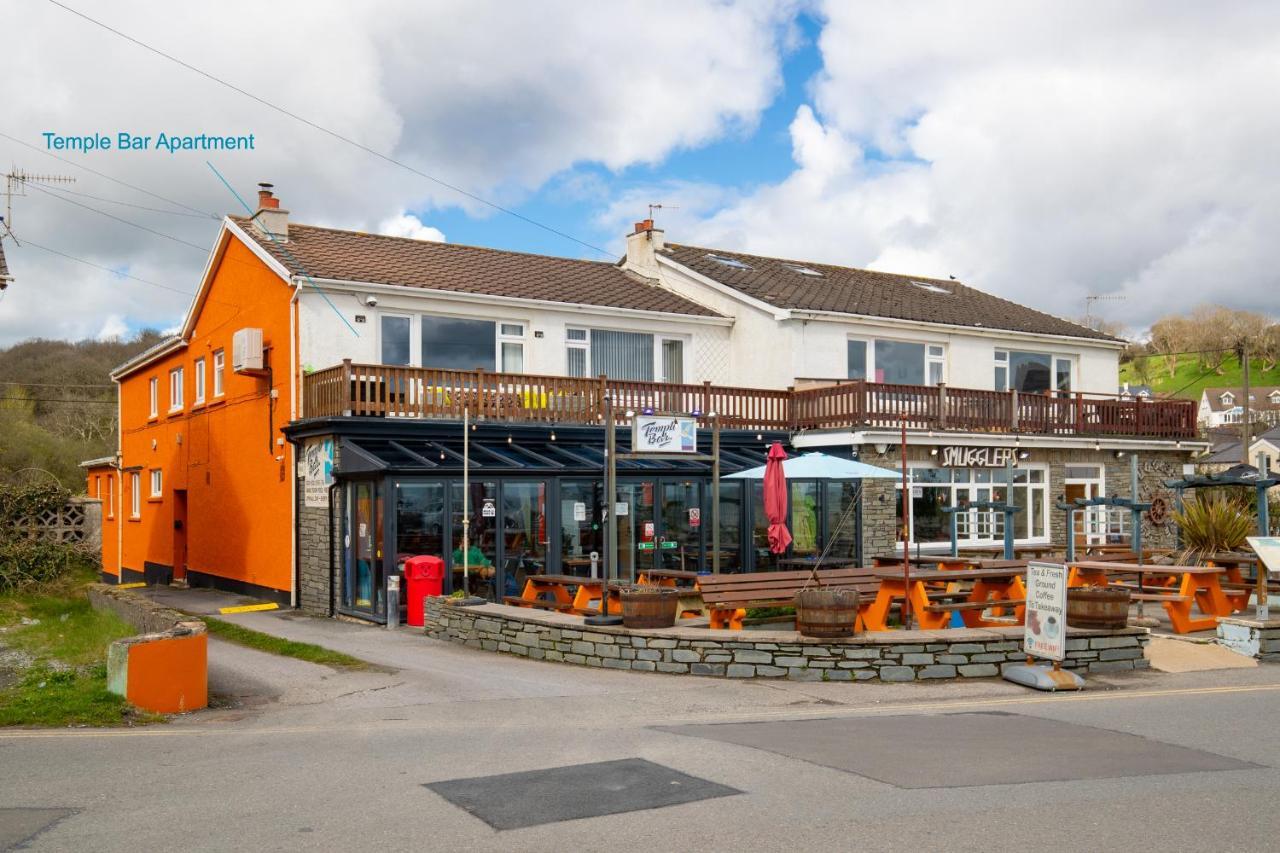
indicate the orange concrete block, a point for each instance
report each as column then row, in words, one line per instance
column 169, row 675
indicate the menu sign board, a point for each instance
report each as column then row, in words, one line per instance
column 955, row 456
column 664, row 434
column 317, row 456
column 1045, row 633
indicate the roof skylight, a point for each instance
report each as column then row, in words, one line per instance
column 803, row 270
column 931, row 287
column 729, row 262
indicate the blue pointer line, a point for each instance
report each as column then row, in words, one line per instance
column 280, row 245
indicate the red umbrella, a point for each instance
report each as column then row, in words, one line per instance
column 775, row 499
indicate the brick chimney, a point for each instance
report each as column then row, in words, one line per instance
column 271, row 219
column 643, row 244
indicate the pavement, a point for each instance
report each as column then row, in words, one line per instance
column 443, row 747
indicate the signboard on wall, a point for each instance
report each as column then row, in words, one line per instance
column 317, row 463
column 955, row 456
column 1045, row 631
column 664, row 434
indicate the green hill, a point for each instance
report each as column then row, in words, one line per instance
column 1190, row 378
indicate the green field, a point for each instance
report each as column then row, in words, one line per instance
column 65, row 641
column 1190, row 379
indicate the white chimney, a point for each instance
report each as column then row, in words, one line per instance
column 642, row 247
column 271, row 219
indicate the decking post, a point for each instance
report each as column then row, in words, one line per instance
column 792, row 419
column 1079, row 413
column 480, row 402
column 1013, row 410
column 603, row 392
column 348, row 391
column 705, row 405
column 942, row 405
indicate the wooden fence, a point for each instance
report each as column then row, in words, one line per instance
column 374, row 390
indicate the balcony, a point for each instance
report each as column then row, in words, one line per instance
column 373, row 390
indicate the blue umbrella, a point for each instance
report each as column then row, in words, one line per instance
column 820, row 466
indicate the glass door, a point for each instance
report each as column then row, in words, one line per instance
column 524, row 533
column 364, row 589
column 482, row 537
column 637, row 530
column 680, row 538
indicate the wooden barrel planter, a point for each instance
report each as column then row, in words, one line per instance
column 649, row 606
column 1097, row 607
column 826, row 613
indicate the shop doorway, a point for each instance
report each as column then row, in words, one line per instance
column 364, row 581
column 1090, row 526
column 179, row 534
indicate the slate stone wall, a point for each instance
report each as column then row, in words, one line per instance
column 313, row 547
column 883, row 656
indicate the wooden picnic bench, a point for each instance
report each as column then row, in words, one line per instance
column 992, row 589
column 729, row 596
column 568, row 594
column 1198, row 585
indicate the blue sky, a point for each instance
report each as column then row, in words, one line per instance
column 737, row 162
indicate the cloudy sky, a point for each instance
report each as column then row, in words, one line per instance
column 1040, row 150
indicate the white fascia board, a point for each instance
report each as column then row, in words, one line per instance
column 724, row 289
column 486, row 299
column 134, row 366
column 829, row 438
column 980, row 331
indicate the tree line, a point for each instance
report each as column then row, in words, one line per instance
column 1212, row 334
column 58, row 406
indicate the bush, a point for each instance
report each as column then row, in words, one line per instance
column 25, row 558
column 1213, row 522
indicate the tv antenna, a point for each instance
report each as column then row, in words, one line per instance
column 15, row 186
column 1092, row 298
column 656, row 206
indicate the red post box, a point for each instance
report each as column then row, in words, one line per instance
column 423, row 576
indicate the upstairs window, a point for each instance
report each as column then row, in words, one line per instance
column 455, row 343
column 219, row 367
column 395, row 330
column 157, row 483
column 638, row 356
column 511, row 347
column 1032, row 372
column 153, row 388
column 199, row 377
column 897, row 362
column 175, row 389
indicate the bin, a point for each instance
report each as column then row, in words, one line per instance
column 423, row 576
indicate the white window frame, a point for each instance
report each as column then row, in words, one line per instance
column 509, row 338
column 931, row 358
column 1000, row 358
column 686, row 343
column 157, row 483
column 176, row 391
column 153, row 387
column 989, row 525
column 415, row 348
column 198, row 369
column 219, row 371
column 111, row 496
column 135, row 495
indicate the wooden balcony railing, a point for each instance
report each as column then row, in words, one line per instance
column 364, row 390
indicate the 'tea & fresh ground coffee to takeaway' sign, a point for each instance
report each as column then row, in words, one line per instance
column 1045, row 633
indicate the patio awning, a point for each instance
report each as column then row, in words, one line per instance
column 821, row 466
column 1237, row 475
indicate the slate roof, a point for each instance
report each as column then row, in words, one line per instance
column 847, row 290
column 1261, row 398
column 356, row 256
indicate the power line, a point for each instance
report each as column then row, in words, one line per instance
column 202, row 249
column 332, row 133
column 26, row 242
column 14, row 139
column 54, row 385
column 117, row 201
column 4, row 400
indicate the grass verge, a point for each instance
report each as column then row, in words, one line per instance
column 310, row 652
column 57, row 644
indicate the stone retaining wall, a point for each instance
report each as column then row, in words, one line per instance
column 140, row 612
column 887, row 655
column 1251, row 637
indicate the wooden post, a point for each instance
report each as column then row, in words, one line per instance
column 1079, row 413
column 715, row 494
column 1013, row 410
column 348, row 391
column 942, row 405
column 906, row 532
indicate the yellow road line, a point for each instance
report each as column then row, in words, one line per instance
column 762, row 715
column 134, row 585
column 249, row 608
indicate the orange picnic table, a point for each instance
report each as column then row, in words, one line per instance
column 991, row 587
column 568, row 593
column 1176, row 587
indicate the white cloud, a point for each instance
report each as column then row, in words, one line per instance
column 491, row 96
column 1042, row 151
column 113, row 328
column 408, row 225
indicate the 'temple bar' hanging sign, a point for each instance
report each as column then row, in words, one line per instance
column 664, row 434
column 1045, row 635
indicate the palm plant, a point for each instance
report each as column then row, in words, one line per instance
column 1211, row 523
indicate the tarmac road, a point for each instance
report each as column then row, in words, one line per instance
column 301, row 757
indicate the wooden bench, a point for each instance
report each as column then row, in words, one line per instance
column 953, row 606
column 729, row 596
column 546, row 604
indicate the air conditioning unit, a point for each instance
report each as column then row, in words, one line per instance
column 246, row 350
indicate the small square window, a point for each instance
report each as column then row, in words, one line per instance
column 515, row 330
column 575, row 334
